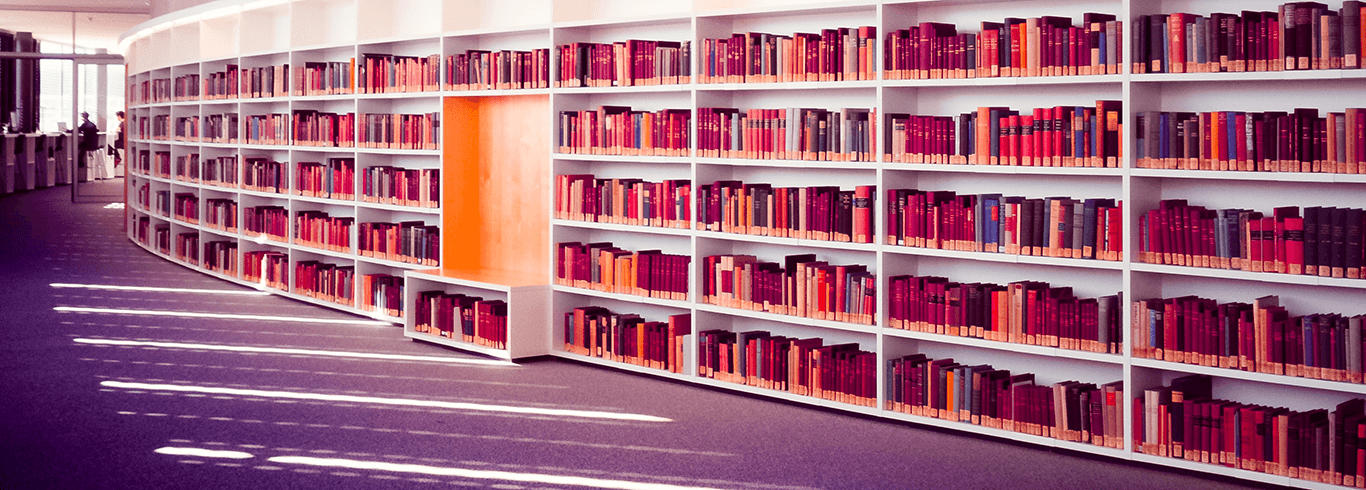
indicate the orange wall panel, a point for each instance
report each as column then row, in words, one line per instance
column 497, row 183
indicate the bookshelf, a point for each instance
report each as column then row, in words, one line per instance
column 500, row 156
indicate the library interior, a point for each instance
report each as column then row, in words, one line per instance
column 696, row 244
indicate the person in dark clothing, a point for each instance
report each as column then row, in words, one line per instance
column 89, row 138
column 118, row 140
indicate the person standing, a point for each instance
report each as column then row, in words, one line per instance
column 118, row 140
column 89, row 142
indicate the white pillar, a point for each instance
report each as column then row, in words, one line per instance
column 101, row 114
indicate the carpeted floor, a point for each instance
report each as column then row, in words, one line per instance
column 97, row 400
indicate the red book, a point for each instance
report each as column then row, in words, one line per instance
column 1114, row 217
column 1293, row 243
column 1269, row 244
column 1177, row 40
column 1138, row 418
column 1254, row 245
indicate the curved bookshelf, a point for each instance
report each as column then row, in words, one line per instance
column 283, row 33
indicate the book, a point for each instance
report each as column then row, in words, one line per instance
column 315, row 78
column 400, row 186
column 841, row 54
column 382, row 293
column 1060, row 136
column 380, row 73
column 798, row 286
column 628, row 338
column 399, row 131
column 335, row 179
column 619, row 130
column 1038, row 46
column 1296, row 36
column 623, row 63
column 634, row 202
column 326, row 282
column 413, row 242
column 841, row 373
column 603, row 267
column 1012, row 225
column 824, row 213
column 843, row 135
column 1263, row 142
column 478, row 69
column 1003, row 313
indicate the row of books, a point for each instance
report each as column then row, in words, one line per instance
column 983, row 395
column 387, row 73
column 156, row 127
column 315, row 128
column 623, row 63
column 186, row 129
column 833, row 55
column 845, row 135
column 1014, row 47
column 1023, row 312
column 603, row 267
column 141, row 227
column 412, row 242
column 635, row 202
column 1050, row 227
column 163, row 203
column 808, row 213
column 186, row 88
column 799, row 286
column 267, row 129
column 158, row 90
column 376, row 73
column 1184, row 420
column 325, row 78
column 187, row 248
column 187, row 207
column 324, row 281
column 498, row 70
column 628, row 338
column 382, row 293
column 618, row 130
column 221, row 256
column 269, row 221
column 162, row 234
column 264, row 81
column 319, row 230
column 143, row 196
column 1296, row 141
column 455, row 316
column 267, row 267
column 187, row 168
column 399, row 131
column 1297, row 36
column 222, row 84
column 402, row 186
column 221, row 171
column 1321, row 241
column 1060, row 136
column 158, row 163
column 263, row 175
column 839, row 372
column 221, row 214
column 221, row 128
column 335, row 179
column 1261, row 336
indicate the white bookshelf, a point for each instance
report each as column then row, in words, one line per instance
column 249, row 35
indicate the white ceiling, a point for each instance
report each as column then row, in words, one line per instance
column 98, row 23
